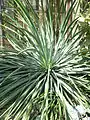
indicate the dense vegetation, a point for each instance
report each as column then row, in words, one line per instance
column 44, row 71
column 85, row 26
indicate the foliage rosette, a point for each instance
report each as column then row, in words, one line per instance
column 45, row 72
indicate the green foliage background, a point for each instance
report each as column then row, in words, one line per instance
column 85, row 26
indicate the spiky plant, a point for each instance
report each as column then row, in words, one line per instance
column 44, row 73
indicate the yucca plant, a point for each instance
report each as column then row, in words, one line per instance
column 43, row 73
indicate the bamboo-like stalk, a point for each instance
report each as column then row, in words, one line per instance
column 1, row 32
